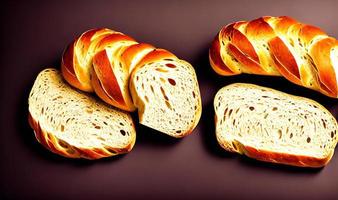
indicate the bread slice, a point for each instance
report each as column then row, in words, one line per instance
column 74, row 124
column 165, row 91
column 273, row 126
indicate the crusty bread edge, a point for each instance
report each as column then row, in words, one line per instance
column 215, row 59
column 271, row 156
column 284, row 158
column 61, row 147
column 117, row 98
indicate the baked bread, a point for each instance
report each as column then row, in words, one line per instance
column 273, row 126
column 102, row 60
column 93, row 62
column 165, row 91
column 278, row 46
column 74, row 124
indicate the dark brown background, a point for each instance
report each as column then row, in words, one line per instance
column 33, row 37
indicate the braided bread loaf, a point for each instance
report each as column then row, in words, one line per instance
column 278, row 46
column 93, row 62
column 130, row 75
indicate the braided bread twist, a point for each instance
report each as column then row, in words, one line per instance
column 102, row 60
column 130, row 75
column 278, row 46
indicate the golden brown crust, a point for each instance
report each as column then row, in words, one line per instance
column 112, row 39
column 320, row 52
column 284, row 158
column 216, row 61
column 283, row 23
column 85, row 39
column 99, row 90
column 58, row 146
column 250, row 65
column 307, row 33
column 242, row 49
column 67, row 68
column 108, row 84
column 260, row 29
column 85, row 48
column 285, row 62
column 155, row 56
column 242, row 40
column 81, row 63
column 132, row 51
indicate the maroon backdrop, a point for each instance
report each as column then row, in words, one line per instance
column 33, row 37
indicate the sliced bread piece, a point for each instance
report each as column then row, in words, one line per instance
column 273, row 126
column 74, row 124
column 165, row 91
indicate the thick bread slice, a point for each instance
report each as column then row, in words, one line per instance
column 74, row 124
column 273, row 126
column 165, row 91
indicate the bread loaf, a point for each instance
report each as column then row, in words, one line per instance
column 103, row 60
column 273, row 126
column 93, row 62
column 278, row 46
column 74, row 124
